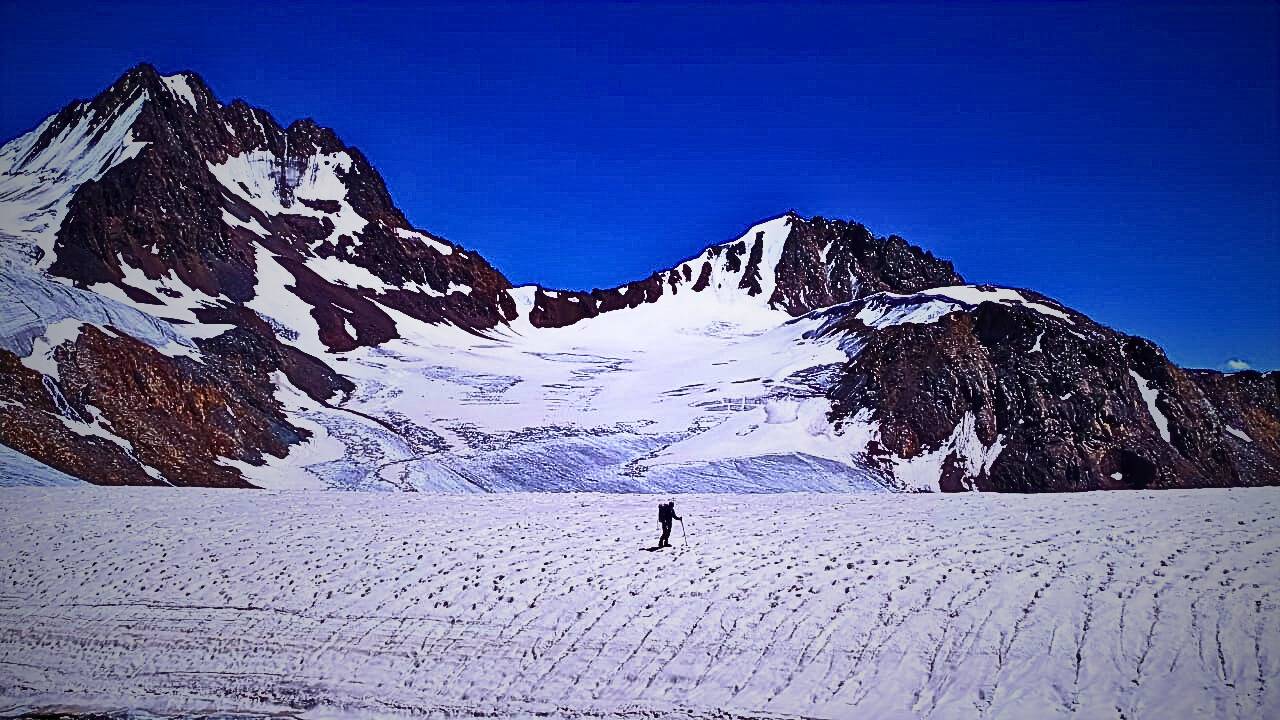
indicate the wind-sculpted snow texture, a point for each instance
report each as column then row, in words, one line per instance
column 1135, row 605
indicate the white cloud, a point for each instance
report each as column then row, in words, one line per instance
column 1238, row 364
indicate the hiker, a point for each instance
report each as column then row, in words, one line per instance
column 666, row 513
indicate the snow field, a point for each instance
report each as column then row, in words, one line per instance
column 1115, row 604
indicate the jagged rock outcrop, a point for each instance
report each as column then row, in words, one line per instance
column 122, row 412
column 1045, row 399
column 1248, row 405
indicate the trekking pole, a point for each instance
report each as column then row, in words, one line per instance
column 682, row 532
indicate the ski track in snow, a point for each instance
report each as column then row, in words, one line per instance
column 1123, row 604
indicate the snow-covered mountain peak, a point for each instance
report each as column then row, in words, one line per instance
column 213, row 189
column 786, row 265
column 729, row 283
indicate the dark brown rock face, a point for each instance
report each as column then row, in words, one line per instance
column 1248, row 405
column 29, row 424
column 1074, row 405
column 177, row 417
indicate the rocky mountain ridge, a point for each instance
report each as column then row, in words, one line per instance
column 790, row 263
column 197, row 295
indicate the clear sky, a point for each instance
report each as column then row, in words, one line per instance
column 1124, row 160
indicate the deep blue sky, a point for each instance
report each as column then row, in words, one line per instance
column 1123, row 160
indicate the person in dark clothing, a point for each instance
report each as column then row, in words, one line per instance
column 666, row 513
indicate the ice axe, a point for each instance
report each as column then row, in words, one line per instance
column 683, row 533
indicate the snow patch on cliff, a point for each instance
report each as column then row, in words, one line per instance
column 274, row 298
column 886, row 309
column 252, row 225
column 1239, row 433
column 178, row 301
column 181, row 88
column 257, row 177
column 442, row 248
column 1149, row 395
column 55, row 336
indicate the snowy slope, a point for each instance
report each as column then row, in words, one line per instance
column 1154, row 605
column 606, row 404
column 715, row 390
column 38, row 180
column 726, row 282
column 18, row 469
